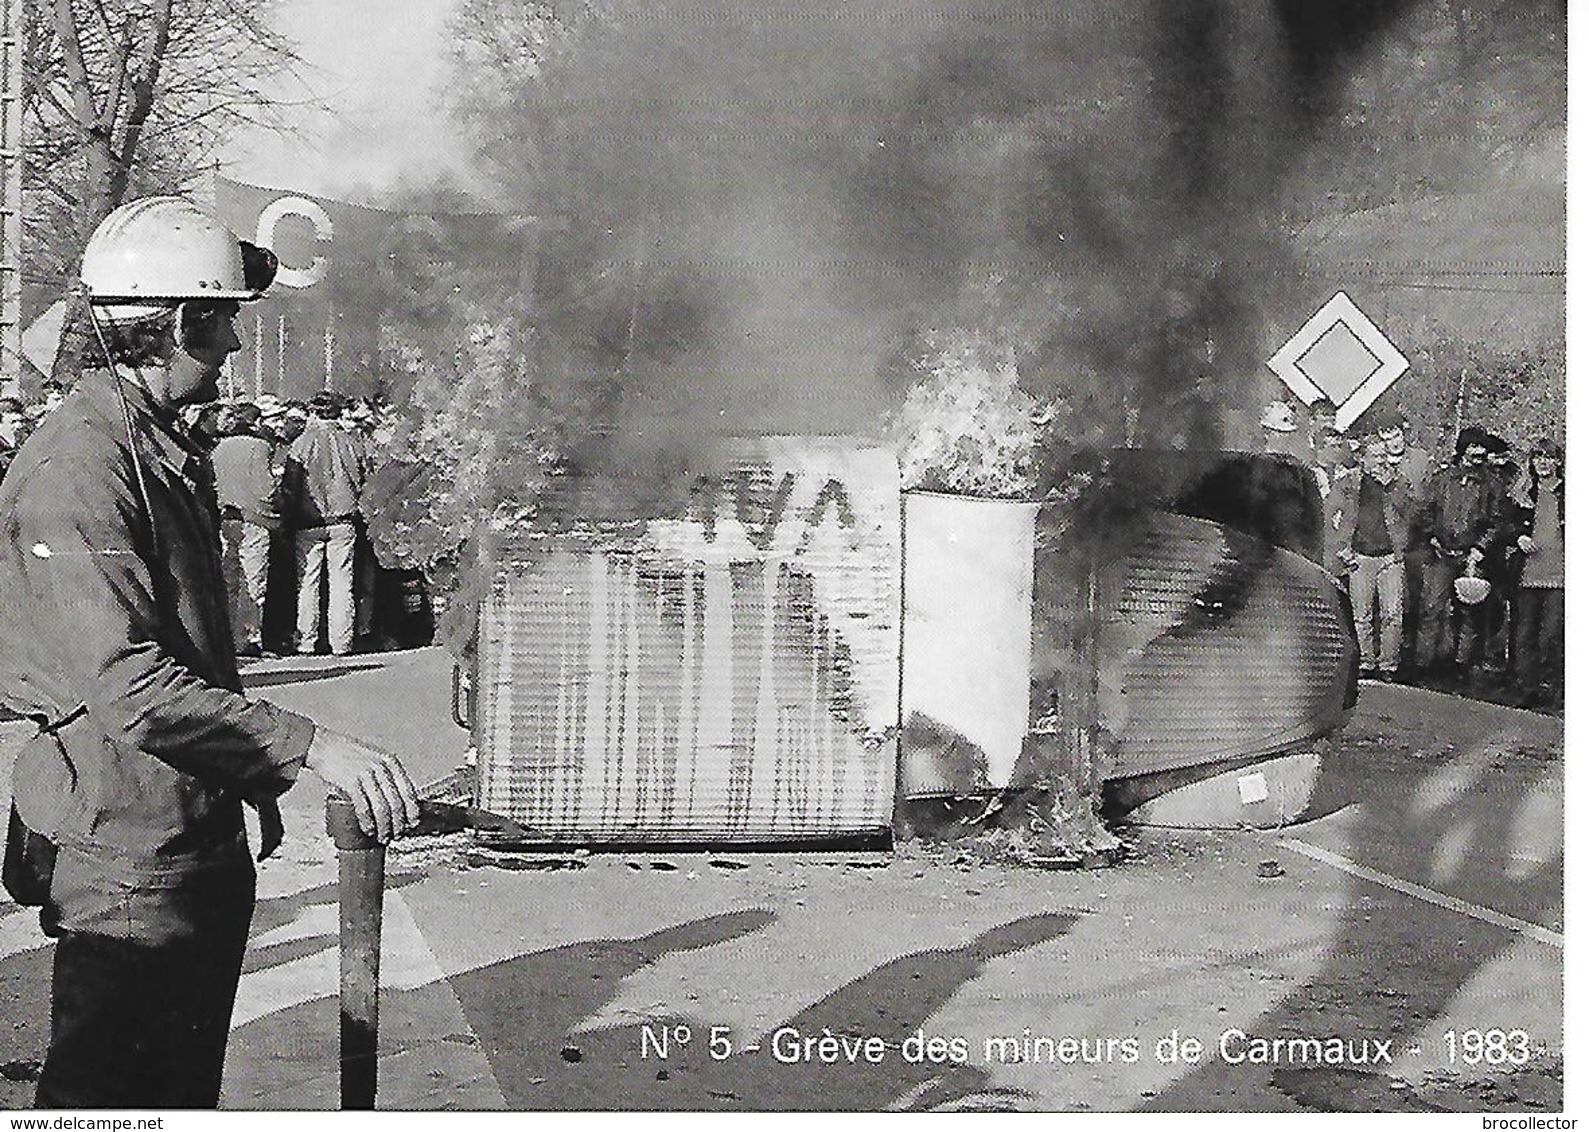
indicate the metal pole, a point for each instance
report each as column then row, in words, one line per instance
column 1462, row 393
column 11, row 155
column 361, row 883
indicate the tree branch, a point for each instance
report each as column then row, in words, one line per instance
column 84, row 111
column 146, row 80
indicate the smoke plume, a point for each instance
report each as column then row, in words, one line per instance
column 767, row 201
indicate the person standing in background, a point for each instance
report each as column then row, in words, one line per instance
column 1413, row 466
column 246, row 485
column 1540, row 501
column 282, row 422
column 1378, row 514
column 358, row 421
column 1333, row 466
column 1461, row 514
column 1501, row 566
column 331, row 478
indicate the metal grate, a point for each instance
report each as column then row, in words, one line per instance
column 731, row 677
column 1223, row 647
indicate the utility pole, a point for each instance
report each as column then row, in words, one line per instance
column 10, row 196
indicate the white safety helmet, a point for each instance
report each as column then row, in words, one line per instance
column 1472, row 589
column 150, row 255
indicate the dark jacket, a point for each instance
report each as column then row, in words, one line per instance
column 1523, row 503
column 1523, row 512
column 122, row 609
column 1462, row 510
column 1400, row 511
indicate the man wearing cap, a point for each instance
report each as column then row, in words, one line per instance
column 358, row 421
column 127, row 823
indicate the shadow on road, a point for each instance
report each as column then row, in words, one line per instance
column 893, row 1002
column 1457, row 821
column 525, row 1013
column 520, row 1010
column 279, row 911
column 25, row 990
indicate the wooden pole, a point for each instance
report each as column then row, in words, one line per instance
column 361, row 883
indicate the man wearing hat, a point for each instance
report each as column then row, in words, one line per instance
column 127, row 823
column 1461, row 515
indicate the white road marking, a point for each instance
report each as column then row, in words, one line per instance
column 1429, row 895
column 407, row 963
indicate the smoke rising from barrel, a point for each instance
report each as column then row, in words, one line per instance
column 771, row 198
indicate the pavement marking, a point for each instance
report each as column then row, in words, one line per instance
column 19, row 932
column 1429, row 895
column 407, row 963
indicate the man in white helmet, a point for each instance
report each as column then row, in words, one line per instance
column 127, row 827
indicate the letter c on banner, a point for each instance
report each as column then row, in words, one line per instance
column 271, row 215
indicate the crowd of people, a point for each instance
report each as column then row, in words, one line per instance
column 290, row 477
column 1455, row 570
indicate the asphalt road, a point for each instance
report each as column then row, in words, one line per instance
column 1416, row 916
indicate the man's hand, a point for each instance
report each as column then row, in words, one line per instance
column 1526, row 544
column 383, row 797
column 1475, row 558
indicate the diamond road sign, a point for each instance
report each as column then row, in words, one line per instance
column 1339, row 354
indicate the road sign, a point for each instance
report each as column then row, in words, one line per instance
column 1341, row 355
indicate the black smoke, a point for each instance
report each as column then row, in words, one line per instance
column 768, row 202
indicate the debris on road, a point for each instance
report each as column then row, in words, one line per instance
column 26, row 1069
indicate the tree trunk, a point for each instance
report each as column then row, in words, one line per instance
column 111, row 123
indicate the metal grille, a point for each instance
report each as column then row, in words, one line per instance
column 1222, row 646
column 725, row 680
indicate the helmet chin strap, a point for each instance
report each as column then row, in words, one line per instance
column 126, row 420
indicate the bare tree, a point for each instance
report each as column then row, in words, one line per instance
column 127, row 97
